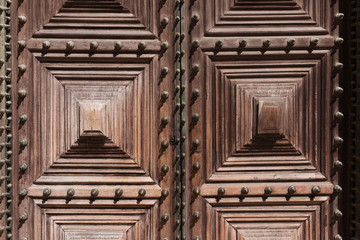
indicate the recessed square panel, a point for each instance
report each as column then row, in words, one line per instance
column 96, row 119
column 269, row 120
column 273, row 220
column 97, row 112
column 81, row 221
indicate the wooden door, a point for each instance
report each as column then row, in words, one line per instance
column 93, row 116
column 163, row 119
column 263, row 157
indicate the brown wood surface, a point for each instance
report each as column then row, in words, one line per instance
column 93, row 111
column 266, row 80
column 94, row 82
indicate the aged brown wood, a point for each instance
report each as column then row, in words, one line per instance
column 93, row 74
column 266, row 79
column 97, row 124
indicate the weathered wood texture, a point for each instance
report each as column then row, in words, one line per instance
column 266, row 129
column 93, row 81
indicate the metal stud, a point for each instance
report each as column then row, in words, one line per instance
column 196, row 166
column 164, row 96
column 338, row 165
column 195, row 44
column 22, row 20
column 244, row 190
column 338, row 67
column 266, row 43
column 195, row 69
column 23, row 192
column 22, row 44
column 46, row 45
column 314, row 42
column 164, row 21
column 338, row 116
column 196, row 216
column 142, row 192
column 315, row 190
column 22, row 69
column 177, row 19
column 338, row 42
column 118, row 192
column 94, row 192
column 338, row 141
column 164, row 46
column 195, row 18
column 268, row 190
column 219, row 44
column 70, row 192
column 70, row 45
column 196, row 191
column 164, row 71
column 291, row 190
column 164, row 144
column 291, row 42
column 182, row 71
column 242, row 43
column 46, row 192
column 165, row 218
column 338, row 189
column 118, row 46
column 93, row 46
column 23, row 167
column 141, row 46
column 338, row 214
column 23, row 118
column 165, row 193
column 196, row 143
column 195, row 94
column 338, row 18
column 338, row 91
column 195, row 118
column 23, row 142
column 221, row 191
column 23, row 217
column 164, row 121
column 22, row 94
column 165, row 168
column 338, row 237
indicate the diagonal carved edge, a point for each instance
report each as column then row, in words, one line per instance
column 251, row 218
column 292, row 19
column 126, row 217
column 95, row 19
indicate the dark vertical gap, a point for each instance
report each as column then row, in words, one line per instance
column 350, row 106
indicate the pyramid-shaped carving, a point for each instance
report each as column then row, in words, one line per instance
column 97, row 19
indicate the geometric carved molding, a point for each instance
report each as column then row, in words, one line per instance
column 99, row 19
column 266, row 221
column 99, row 121
column 111, row 222
column 272, row 110
column 270, row 17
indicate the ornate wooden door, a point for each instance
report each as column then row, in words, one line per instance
column 263, row 154
column 163, row 119
column 93, row 116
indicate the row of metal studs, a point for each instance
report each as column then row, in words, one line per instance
column 7, row 112
column 178, row 134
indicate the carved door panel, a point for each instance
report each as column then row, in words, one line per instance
column 92, row 119
column 262, row 144
column 159, row 119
